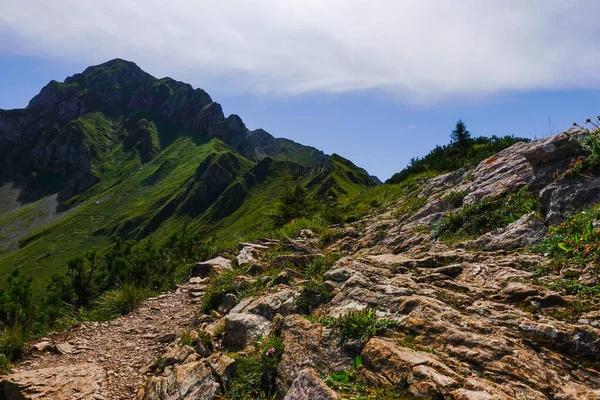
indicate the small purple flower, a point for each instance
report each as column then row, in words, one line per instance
column 270, row 351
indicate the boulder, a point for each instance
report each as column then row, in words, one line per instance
column 555, row 148
column 222, row 368
column 190, row 381
column 249, row 256
column 527, row 231
column 308, row 386
column 210, row 267
column 267, row 306
column 310, row 345
column 243, row 328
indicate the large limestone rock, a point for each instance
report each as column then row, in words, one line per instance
column 78, row 381
column 310, row 345
column 426, row 375
column 308, row 386
column 190, row 381
column 210, row 267
column 242, row 329
column 267, row 306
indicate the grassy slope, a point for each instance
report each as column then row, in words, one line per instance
column 124, row 203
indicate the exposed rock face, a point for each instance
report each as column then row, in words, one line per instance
column 308, row 386
column 78, row 381
column 310, row 345
column 189, row 381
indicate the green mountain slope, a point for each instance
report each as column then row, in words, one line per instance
column 116, row 153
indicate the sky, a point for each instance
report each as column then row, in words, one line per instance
column 376, row 81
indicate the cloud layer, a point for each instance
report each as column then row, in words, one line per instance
column 422, row 51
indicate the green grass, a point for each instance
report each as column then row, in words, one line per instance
column 122, row 208
column 473, row 220
column 346, row 385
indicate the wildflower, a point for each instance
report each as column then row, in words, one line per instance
column 575, row 124
column 588, row 120
column 270, row 351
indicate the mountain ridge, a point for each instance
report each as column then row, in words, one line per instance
column 113, row 152
column 120, row 89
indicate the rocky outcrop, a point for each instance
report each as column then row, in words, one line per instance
column 77, row 381
column 308, row 386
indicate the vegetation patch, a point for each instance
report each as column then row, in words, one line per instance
column 473, row 220
column 363, row 325
column 254, row 376
column 577, row 239
column 347, row 385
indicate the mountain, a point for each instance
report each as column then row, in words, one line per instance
column 115, row 152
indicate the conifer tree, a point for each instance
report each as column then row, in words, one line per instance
column 460, row 135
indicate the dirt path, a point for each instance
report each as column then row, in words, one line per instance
column 118, row 349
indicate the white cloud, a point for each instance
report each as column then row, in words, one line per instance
column 411, row 127
column 426, row 50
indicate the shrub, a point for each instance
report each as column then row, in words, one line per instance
column 363, row 325
column 120, row 301
column 456, row 198
column 292, row 203
column 575, row 239
column 223, row 284
column 454, row 156
column 312, row 296
column 12, row 341
column 255, row 374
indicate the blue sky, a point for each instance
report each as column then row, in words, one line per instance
column 378, row 85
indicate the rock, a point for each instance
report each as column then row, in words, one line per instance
column 228, row 303
column 244, row 328
column 176, row 354
column 222, row 368
column 310, row 345
column 308, row 386
column 267, row 306
column 424, row 381
column 426, row 375
column 285, row 276
column 555, row 148
column 567, row 195
column 43, row 347
column 210, row 267
column 527, row 231
column 338, row 275
column 64, row 348
column 76, row 381
column 191, row 381
column 517, row 291
column 249, row 256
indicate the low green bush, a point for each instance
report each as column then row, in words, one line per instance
column 119, row 301
column 363, row 325
column 576, row 239
column 254, row 376
column 312, row 296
